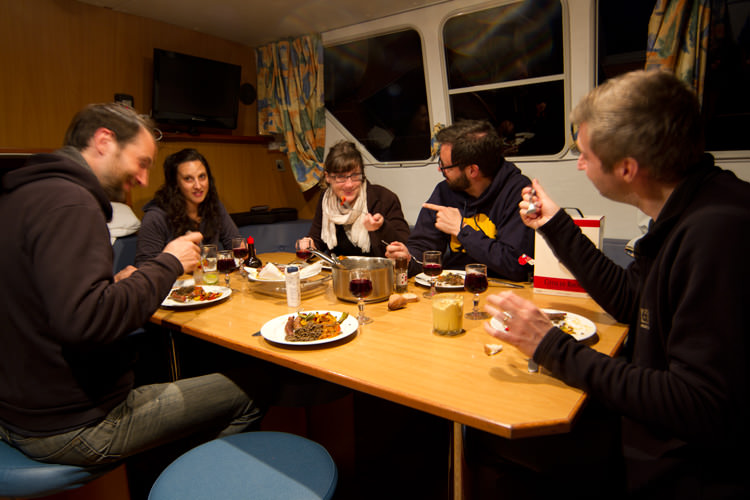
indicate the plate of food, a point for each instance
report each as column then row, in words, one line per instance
column 195, row 295
column 274, row 273
column 309, row 328
column 449, row 279
column 577, row 326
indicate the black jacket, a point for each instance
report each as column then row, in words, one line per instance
column 684, row 387
column 63, row 317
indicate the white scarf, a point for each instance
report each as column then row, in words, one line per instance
column 334, row 212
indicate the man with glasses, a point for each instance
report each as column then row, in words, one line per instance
column 472, row 215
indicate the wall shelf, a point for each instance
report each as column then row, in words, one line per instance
column 225, row 138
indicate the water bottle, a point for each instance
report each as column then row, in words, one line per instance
column 293, row 293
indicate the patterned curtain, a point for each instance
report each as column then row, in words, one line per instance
column 678, row 39
column 290, row 102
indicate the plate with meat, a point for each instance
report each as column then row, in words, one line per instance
column 575, row 325
column 449, row 279
column 309, row 328
column 195, row 295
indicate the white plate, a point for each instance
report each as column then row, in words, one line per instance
column 424, row 280
column 307, row 271
column 582, row 328
column 225, row 292
column 274, row 331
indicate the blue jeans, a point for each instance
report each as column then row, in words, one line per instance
column 199, row 408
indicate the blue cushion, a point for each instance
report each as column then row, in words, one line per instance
column 260, row 465
column 20, row 476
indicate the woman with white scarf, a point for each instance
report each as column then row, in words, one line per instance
column 354, row 217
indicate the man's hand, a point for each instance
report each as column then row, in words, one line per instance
column 546, row 208
column 447, row 219
column 373, row 222
column 125, row 273
column 187, row 250
column 397, row 250
column 525, row 324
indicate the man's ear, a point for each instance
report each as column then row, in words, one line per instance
column 473, row 170
column 102, row 140
column 627, row 169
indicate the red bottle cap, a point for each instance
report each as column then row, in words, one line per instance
column 250, row 240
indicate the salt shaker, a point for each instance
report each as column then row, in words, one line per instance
column 292, row 279
column 400, row 274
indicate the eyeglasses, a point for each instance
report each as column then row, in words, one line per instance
column 340, row 179
column 443, row 167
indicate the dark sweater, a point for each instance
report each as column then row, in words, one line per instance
column 63, row 317
column 684, row 390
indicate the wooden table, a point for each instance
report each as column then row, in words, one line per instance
column 398, row 358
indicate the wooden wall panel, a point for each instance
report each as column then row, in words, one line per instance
column 56, row 56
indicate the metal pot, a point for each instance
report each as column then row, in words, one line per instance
column 381, row 271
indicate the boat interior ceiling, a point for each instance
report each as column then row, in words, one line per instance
column 257, row 22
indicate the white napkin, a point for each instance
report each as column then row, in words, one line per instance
column 311, row 270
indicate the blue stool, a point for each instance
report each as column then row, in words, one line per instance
column 259, row 465
column 21, row 476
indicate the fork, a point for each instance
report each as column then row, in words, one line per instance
column 412, row 255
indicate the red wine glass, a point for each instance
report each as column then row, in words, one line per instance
column 475, row 282
column 302, row 249
column 225, row 264
column 240, row 252
column 432, row 266
column 360, row 285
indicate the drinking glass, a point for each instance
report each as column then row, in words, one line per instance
column 432, row 265
column 225, row 264
column 302, row 248
column 240, row 251
column 475, row 282
column 208, row 264
column 360, row 285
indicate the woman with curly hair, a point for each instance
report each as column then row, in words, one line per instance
column 187, row 201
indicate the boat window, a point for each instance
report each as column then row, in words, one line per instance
column 376, row 88
column 505, row 65
column 622, row 38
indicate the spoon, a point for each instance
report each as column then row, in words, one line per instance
column 532, row 207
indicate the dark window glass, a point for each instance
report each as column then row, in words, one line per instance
column 505, row 65
column 376, row 89
column 622, row 34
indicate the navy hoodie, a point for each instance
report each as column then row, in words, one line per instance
column 492, row 234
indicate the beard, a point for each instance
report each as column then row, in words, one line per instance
column 460, row 183
column 113, row 180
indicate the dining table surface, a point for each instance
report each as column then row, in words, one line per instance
column 397, row 357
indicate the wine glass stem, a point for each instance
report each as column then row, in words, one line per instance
column 361, row 306
column 433, row 288
column 476, row 302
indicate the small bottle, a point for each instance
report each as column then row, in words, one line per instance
column 252, row 259
column 293, row 296
column 400, row 274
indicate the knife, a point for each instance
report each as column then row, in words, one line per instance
column 497, row 282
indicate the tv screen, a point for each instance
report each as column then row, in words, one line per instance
column 194, row 92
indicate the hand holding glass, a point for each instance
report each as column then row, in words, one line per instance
column 302, row 247
column 360, row 285
column 432, row 265
column 475, row 282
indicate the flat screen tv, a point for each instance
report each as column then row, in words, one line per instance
column 195, row 93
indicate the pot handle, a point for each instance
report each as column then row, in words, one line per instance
column 326, row 258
